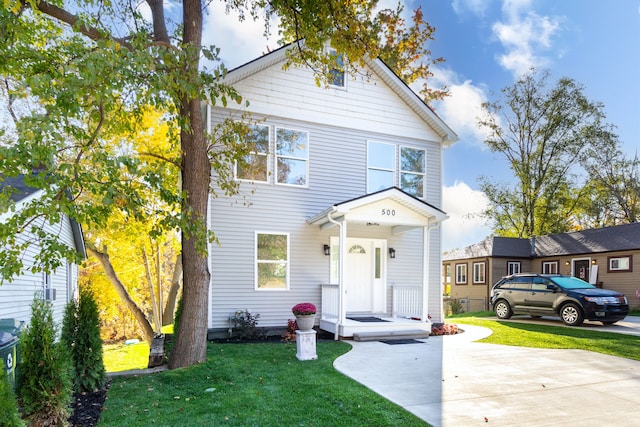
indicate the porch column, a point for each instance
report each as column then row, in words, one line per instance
column 424, row 317
column 342, row 309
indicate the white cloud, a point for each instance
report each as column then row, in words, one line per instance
column 463, row 107
column 524, row 35
column 464, row 227
column 240, row 41
column 476, row 7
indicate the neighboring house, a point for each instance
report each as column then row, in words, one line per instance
column 606, row 257
column 348, row 175
column 59, row 286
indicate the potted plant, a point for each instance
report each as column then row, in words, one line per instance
column 305, row 313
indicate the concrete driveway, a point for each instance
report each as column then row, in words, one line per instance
column 453, row 381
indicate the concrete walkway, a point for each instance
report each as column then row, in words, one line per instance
column 453, row 381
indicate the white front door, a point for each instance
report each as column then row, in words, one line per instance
column 365, row 276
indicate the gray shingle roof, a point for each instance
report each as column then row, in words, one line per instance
column 22, row 190
column 616, row 238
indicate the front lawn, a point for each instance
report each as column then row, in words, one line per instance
column 260, row 384
column 544, row 336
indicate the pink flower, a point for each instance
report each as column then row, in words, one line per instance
column 303, row 309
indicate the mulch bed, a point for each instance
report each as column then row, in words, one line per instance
column 87, row 407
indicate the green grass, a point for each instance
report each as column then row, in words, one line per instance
column 252, row 385
column 544, row 336
column 121, row 357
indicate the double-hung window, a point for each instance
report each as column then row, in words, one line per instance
column 513, row 267
column 383, row 171
column 272, row 261
column 550, row 267
column 336, row 71
column 478, row 272
column 256, row 164
column 292, row 157
column 461, row 274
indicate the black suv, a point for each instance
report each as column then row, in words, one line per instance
column 572, row 299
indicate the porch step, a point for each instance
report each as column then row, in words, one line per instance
column 390, row 335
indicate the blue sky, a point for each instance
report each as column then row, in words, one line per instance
column 486, row 45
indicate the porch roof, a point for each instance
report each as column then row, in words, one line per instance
column 390, row 207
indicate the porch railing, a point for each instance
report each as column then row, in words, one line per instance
column 330, row 309
column 406, row 301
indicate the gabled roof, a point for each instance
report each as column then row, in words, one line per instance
column 378, row 66
column 608, row 239
column 492, row 246
column 23, row 192
column 423, row 211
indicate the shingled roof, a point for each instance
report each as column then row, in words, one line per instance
column 608, row 239
column 20, row 189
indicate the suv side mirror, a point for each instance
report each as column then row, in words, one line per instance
column 552, row 287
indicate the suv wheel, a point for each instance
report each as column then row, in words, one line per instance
column 571, row 314
column 502, row 309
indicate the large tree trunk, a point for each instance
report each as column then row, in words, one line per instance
column 103, row 258
column 172, row 296
column 191, row 338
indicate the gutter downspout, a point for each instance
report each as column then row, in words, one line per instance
column 425, row 274
column 341, row 257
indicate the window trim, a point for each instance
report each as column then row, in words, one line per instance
column 556, row 263
column 267, row 155
column 256, row 262
column 370, row 168
column 402, row 171
column 276, row 156
column 466, row 278
column 332, row 51
column 620, row 270
column 514, row 263
column 476, row 269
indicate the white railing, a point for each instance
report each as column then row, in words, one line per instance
column 407, row 301
column 330, row 309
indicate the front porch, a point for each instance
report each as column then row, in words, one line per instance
column 403, row 321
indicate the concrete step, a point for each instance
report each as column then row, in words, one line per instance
column 390, row 335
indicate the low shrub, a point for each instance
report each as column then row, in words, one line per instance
column 8, row 406
column 444, row 329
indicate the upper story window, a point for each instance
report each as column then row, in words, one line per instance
column 256, row 167
column 382, row 168
column 272, row 261
column 412, row 169
column 337, row 73
column 292, row 156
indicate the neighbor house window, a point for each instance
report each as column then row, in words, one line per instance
column 478, row 272
column 255, row 165
column 447, row 273
column 461, row 273
column 382, row 171
column 272, row 261
column 550, row 267
column 513, row 267
column 412, row 170
column 292, row 156
column 336, row 73
column 620, row 263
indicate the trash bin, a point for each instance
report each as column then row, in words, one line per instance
column 8, row 350
column 11, row 325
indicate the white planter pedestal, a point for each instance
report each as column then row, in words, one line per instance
column 306, row 345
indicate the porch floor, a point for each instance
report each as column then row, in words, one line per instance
column 387, row 327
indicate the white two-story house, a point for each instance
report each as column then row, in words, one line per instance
column 343, row 203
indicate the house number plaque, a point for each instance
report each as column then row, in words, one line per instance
column 388, row 212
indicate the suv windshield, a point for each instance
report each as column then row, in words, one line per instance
column 568, row 282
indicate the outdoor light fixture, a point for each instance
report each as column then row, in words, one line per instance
column 392, row 253
column 594, row 262
column 327, row 249
column 566, row 263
